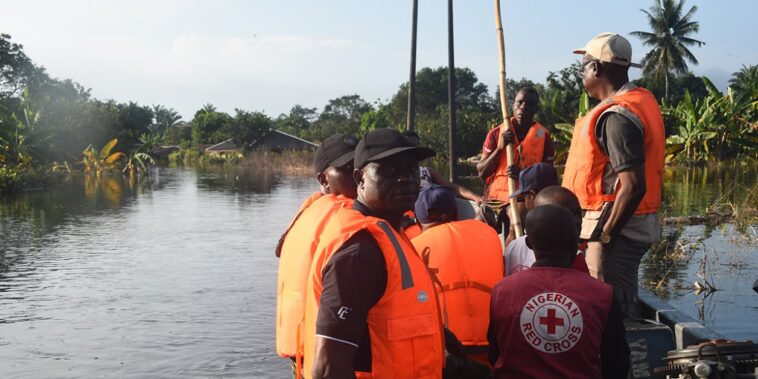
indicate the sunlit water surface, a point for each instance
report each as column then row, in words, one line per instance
column 176, row 276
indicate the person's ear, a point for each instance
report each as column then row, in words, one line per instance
column 358, row 177
column 596, row 69
column 321, row 177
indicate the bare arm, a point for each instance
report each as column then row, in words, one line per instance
column 333, row 359
column 488, row 164
column 630, row 195
column 459, row 190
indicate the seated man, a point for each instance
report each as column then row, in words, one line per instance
column 466, row 257
column 552, row 321
column 333, row 166
column 518, row 256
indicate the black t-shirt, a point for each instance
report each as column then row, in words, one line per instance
column 353, row 280
column 621, row 140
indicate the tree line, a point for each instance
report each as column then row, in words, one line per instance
column 47, row 121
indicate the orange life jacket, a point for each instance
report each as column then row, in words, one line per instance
column 528, row 152
column 468, row 260
column 297, row 248
column 586, row 160
column 404, row 325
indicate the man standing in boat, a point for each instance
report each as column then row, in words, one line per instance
column 333, row 165
column 533, row 145
column 615, row 167
column 371, row 305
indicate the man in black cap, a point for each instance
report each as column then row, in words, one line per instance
column 333, row 165
column 370, row 303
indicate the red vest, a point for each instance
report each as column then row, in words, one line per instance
column 528, row 152
column 586, row 160
column 548, row 323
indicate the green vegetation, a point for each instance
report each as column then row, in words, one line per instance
column 46, row 124
column 669, row 37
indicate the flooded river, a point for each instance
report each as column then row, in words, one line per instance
column 176, row 277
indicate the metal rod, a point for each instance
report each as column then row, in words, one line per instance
column 411, row 120
column 451, row 91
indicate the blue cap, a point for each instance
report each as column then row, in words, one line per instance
column 436, row 204
column 535, row 178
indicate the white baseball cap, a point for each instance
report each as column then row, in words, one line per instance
column 609, row 47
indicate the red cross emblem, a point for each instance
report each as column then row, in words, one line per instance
column 551, row 321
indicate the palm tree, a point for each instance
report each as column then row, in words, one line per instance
column 744, row 82
column 669, row 39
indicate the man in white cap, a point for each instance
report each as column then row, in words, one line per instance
column 615, row 166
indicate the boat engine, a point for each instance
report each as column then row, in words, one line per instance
column 715, row 359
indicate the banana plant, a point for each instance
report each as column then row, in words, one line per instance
column 103, row 161
column 139, row 161
column 695, row 121
column 21, row 139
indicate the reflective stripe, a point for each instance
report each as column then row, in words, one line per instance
column 405, row 269
column 626, row 113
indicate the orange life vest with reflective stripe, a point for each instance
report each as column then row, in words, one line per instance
column 297, row 248
column 586, row 160
column 468, row 260
column 528, row 152
column 404, row 325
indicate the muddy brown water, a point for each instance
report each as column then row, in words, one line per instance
column 176, row 276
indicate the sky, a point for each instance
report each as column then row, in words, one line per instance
column 267, row 56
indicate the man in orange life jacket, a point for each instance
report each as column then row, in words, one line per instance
column 532, row 144
column 333, row 164
column 466, row 257
column 552, row 321
column 371, row 304
column 615, row 167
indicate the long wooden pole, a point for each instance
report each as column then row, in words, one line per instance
column 451, row 92
column 515, row 218
column 411, row 119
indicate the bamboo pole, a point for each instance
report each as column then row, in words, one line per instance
column 515, row 219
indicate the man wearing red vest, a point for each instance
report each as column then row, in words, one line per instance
column 333, row 164
column 615, row 167
column 533, row 145
column 371, row 304
column 552, row 321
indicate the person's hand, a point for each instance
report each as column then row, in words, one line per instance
column 478, row 200
column 512, row 171
column 506, row 135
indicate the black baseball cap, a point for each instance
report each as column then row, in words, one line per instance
column 382, row 143
column 535, row 178
column 335, row 151
column 436, row 204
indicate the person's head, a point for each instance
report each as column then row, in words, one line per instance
column 525, row 105
column 387, row 171
column 562, row 197
column 533, row 179
column 436, row 205
column 551, row 232
column 605, row 63
column 412, row 136
column 333, row 164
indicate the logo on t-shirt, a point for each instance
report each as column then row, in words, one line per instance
column 343, row 312
column 551, row 322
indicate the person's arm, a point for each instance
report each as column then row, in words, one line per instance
column 628, row 198
column 459, row 190
column 490, row 154
column 614, row 350
column 622, row 140
column 354, row 279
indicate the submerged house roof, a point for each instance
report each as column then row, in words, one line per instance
column 222, row 147
column 278, row 140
